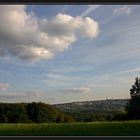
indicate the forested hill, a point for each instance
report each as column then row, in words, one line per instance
column 94, row 106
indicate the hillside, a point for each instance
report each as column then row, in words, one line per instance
column 93, row 106
column 31, row 113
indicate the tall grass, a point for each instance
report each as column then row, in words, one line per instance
column 125, row 128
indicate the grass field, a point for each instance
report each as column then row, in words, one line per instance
column 128, row 128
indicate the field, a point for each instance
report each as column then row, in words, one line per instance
column 127, row 128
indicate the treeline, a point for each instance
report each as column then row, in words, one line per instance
column 45, row 113
column 99, row 116
column 31, row 113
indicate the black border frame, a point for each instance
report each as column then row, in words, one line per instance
column 70, row 137
column 70, row 2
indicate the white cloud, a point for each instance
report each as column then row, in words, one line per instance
column 90, row 9
column 120, row 48
column 80, row 90
column 53, row 100
column 26, row 36
column 3, row 86
column 69, row 68
column 124, row 9
column 60, row 80
column 20, row 96
column 33, row 94
column 10, row 96
column 123, row 72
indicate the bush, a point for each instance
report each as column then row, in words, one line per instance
column 68, row 118
column 120, row 116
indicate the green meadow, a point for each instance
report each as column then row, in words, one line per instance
column 124, row 128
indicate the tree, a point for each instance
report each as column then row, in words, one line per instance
column 41, row 112
column 133, row 105
column 135, row 90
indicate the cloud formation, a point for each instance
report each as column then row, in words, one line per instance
column 80, row 90
column 90, row 9
column 3, row 86
column 20, row 96
column 11, row 96
column 124, row 9
column 33, row 94
column 27, row 37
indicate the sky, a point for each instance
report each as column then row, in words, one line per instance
column 68, row 53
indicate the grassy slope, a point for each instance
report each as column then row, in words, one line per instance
column 128, row 128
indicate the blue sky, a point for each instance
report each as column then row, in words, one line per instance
column 66, row 53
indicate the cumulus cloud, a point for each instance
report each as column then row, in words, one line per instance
column 3, row 86
column 124, row 9
column 26, row 36
column 80, row 90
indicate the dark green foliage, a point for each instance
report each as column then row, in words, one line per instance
column 99, row 116
column 30, row 112
column 133, row 106
column 135, row 90
column 95, row 116
column 60, row 117
column 40, row 112
column 120, row 116
column 68, row 118
column 84, row 116
column 13, row 113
